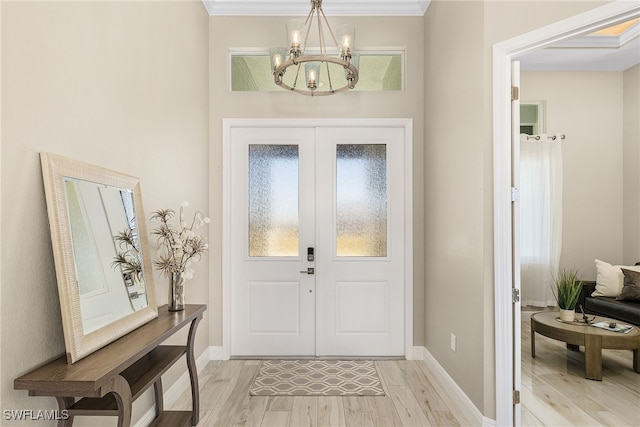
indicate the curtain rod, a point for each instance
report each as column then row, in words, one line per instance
column 551, row 137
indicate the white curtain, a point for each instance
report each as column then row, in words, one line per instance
column 540, row 217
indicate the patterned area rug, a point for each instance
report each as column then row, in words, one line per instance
column 317, row 378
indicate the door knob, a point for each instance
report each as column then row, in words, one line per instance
column 309, row 270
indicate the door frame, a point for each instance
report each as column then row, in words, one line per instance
column 230, row 123
column 503, row 54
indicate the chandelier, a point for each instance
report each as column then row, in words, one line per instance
column 291, row 58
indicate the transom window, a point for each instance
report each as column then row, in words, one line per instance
column 379, row 71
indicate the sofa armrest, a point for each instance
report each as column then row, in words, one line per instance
column 587, row 289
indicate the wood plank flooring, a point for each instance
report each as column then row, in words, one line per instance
column 555, row 392
column 413, row 398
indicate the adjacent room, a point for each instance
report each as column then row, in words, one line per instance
column 579, row 110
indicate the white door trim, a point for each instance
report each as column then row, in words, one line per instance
column 228, row 124
column 503, row 53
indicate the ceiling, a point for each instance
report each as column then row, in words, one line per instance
column 612, row 49
column 330, row 7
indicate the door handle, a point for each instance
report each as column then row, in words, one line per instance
column 309, row 270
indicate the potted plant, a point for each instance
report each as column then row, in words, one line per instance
column 566, row 290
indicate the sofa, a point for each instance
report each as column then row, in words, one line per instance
column 624, row 311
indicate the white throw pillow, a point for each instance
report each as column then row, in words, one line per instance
column 609, row 279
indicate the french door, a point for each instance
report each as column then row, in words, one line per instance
column 317, row 248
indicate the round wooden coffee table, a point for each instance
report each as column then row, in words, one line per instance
column 593, row 339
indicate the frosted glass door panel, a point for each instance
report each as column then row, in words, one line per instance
column 361, row 200
column 273, row 200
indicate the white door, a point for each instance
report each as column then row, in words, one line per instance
column 272, row 224
column 515, row 168
column 360, row 245
column 317, row 241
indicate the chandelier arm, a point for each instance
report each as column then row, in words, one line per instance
column 333, row 36
column 310, row 14
column 317, row 92
column 308, row 23
column 328, row 75
column 295, row 80
column 323, row 47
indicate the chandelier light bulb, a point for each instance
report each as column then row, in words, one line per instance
column 294, row 33
column 347, row 36
column 312, row 71
column 278, row 56
column 295, row 38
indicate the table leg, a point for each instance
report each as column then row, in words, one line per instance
column 533, row 341
column 122, row 393
column 636, row 360
column 193, row 372
column 593, row 357
column 64, row 403
column 159, row 396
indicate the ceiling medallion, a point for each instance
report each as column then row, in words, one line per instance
column 293, row 57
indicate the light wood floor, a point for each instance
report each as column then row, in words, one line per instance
column 413, row 398
column 555, row 392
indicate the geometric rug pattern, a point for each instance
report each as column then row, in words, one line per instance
column 317, row 378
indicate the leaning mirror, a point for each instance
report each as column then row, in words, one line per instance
column 103, row 269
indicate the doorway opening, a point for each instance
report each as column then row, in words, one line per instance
column 507, row 333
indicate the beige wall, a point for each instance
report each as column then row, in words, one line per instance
column 586, row 107
column 123, row 85
column 459, row 179
column 631, row 158
column 456, row 147
column 262, row 32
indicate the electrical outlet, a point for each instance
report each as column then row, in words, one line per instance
column 453, row 342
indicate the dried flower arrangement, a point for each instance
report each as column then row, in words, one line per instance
column 128, row 259
column 178, row 246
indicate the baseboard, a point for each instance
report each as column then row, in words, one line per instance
column 458, row 397
column 172, row 394
column 418, row 353
column 216, row 353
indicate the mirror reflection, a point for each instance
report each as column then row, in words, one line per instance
column 106, row 249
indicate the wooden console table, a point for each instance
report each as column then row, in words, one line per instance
column 110, row 379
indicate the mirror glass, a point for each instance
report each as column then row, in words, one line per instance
column 100, row 249
column 107, row 252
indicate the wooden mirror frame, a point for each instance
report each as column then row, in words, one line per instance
column 78, row 344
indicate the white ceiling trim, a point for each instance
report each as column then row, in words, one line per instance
column 591, row 41
column 330, row 7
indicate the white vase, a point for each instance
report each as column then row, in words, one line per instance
column 567, row 315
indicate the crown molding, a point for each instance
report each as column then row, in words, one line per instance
column 331, row 7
